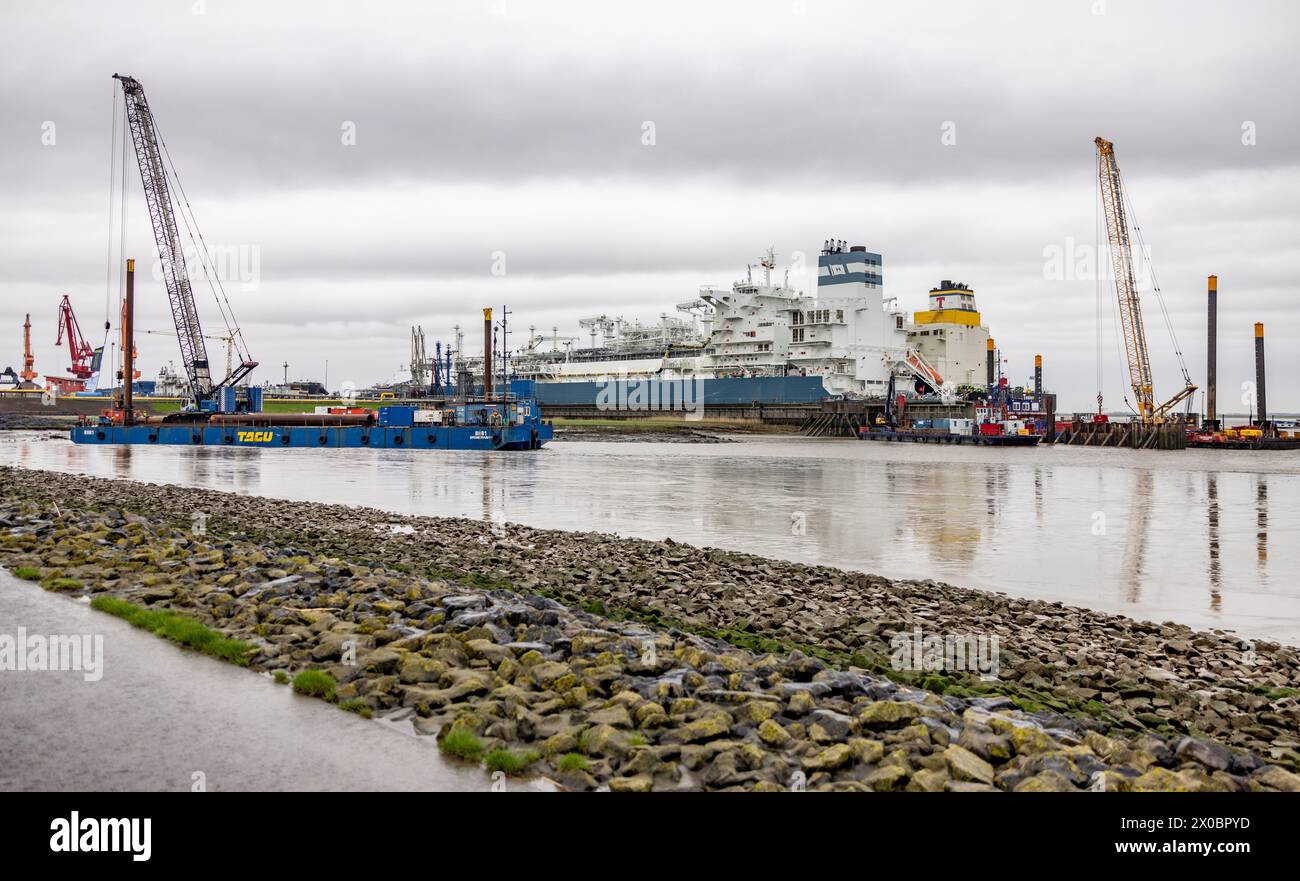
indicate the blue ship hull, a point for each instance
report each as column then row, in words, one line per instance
column 528, row 436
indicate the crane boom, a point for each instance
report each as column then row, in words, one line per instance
column 153, row 178
column 1137, row 354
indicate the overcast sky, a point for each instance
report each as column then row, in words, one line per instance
column 520, row 128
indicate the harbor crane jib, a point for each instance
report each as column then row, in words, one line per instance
column 81, row 352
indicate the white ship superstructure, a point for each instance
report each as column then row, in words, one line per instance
column 670, row 349
column 849, row 335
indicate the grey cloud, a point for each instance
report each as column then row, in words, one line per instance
column 255, row 97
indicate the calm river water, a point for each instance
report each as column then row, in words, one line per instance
column 1208, row 538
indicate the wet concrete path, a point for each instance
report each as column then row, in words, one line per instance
column 162, row 714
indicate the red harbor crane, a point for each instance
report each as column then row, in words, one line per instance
column 81, row 351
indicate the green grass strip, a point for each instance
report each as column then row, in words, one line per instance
column 177, row 628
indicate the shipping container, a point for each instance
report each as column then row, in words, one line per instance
column 397, row 416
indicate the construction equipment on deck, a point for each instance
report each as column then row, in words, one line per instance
column 1137, row 354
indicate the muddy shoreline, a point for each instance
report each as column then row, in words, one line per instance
column 666, row 666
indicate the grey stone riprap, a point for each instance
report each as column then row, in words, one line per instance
column 455, row 625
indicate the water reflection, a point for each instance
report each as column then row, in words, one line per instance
column 1261, row 522
column 1137, row 535
column 952, row 533
column 122, row 462
column 1212, row 523
column 1022, row 522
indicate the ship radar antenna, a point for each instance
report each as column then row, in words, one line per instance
column 769, row 263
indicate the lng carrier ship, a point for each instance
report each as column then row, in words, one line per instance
column 758, row 341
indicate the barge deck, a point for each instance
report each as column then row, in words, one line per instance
column 937, row 437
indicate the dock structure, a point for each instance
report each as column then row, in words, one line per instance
column 1131, row 435
column 1227, row 442
column 793, row 415
column 937, row 436
column 847, row 418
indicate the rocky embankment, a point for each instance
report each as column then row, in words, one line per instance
column 36, row 422
column 617, row 434
column 600, row 661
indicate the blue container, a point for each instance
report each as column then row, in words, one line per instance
column 397, row 416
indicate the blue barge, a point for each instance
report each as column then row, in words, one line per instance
column 491, row 425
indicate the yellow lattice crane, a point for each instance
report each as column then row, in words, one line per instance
column 1136, row 352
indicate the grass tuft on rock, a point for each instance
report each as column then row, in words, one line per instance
column 358, row 706
column 510, row 761
column 177, row 628
column 316, row 683
column 573, row 762
column 27, row 573
column 62, row 584
column 281, row 677
column 462, row 744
